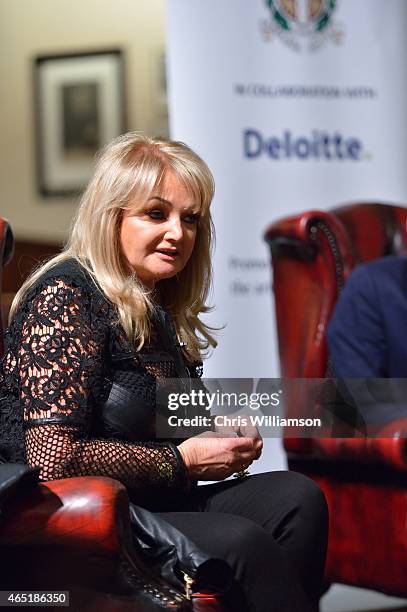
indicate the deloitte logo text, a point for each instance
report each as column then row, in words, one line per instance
column 319, row 145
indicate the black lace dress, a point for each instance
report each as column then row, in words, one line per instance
column 75, row 397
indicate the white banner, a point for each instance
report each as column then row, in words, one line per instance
column 294, row 104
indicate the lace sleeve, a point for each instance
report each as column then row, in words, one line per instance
column 61, row 371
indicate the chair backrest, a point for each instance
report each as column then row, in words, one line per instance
column 313, row 254
column 6, row 253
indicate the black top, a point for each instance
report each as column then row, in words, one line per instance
column 75, row 397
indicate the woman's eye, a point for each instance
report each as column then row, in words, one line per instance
column 192, row 219
column 157, row 215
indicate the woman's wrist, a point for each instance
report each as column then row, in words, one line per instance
column 182, row 475
column 184, row 457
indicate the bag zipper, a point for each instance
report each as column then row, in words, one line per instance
column 188, row 585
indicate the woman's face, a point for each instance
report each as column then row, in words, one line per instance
column 157, row 239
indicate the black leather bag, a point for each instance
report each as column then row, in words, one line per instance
column 174, row 557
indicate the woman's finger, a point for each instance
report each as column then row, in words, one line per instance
column 246, row 457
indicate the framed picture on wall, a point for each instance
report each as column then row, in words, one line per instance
column 79, row 106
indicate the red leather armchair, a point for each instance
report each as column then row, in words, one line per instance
column 6, row 253
column 74, row 535
column 364, row 480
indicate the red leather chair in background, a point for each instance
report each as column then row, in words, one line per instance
column 364, row 480
column 6, row 253
column 74, row 535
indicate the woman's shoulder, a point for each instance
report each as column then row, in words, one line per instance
column 62, row 283
column 60, row 294
column 69, row 273
column 66, row 269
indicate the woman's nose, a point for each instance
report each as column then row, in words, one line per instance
column 174, row 229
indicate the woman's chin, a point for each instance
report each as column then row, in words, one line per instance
column 158, row 275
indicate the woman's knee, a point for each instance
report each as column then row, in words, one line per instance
column 299, row 490
column 311, row 496
column 245, row 542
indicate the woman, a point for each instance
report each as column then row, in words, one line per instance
column 94, row 329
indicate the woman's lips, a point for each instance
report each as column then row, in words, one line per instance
column 167, row 254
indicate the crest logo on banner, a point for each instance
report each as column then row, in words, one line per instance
column 301, row 24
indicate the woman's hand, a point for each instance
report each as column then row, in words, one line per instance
column 243, row 431
column 212, row 456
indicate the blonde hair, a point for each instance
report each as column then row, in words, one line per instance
column 129, row 169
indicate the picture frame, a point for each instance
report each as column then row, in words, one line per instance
column 79, row 107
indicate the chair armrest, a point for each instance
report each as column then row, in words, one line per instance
column 88, row 514
column 388, row 447
column 207, row 602
column 85, row 513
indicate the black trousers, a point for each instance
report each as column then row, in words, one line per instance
column 271, row 528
